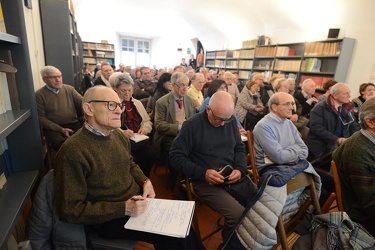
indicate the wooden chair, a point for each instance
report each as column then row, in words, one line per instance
column 185, row 183
column 336, row 179
column 251, row 157
column 299, row 181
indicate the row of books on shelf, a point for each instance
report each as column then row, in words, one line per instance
column 247, row 53
column 250, row 43
column 5, row 164
column 293, row 65
column 221, row 54
column 311, row 65
column 219, row 63
column 263, row 64
column 319, row 80
column 322, row 48
column 232, row 64
column 98, row 46
column 285, row 51
column 265, row 51
column 210, row 54
column 245, row 64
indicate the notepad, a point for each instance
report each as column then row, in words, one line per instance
column 165, row 217
column 138, row 137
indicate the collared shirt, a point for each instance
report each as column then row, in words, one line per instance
column 307, row 97
column 368, row 135
column 56, row 91
column 95, row 131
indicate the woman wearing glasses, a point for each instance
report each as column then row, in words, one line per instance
column 135, row 120
column 249, row 106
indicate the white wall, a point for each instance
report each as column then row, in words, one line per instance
column 222, row 24
column 35, row 42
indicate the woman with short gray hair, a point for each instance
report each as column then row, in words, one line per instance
column 135, row 120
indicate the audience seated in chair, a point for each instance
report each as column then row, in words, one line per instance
column 355, row 160
column 277, row 142
column 135, row 119
column 306, row 97
column 249, row 107
column 59, row 108
column 171, row 111
column 95, row 177
column 207, row 142
column 331, row 122
column 144, row 86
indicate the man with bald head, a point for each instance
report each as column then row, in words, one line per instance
column 206, row 142
column 96, row 178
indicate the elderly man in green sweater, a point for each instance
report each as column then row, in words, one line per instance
column 96, row 178
column 355, row 160
column 59, row 107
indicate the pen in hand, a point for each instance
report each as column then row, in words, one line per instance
column 136, row 199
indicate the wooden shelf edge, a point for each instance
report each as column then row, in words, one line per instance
column 12, row 200
column 10, row 120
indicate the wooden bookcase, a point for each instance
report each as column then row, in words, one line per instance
column 94, row 53
column 20, row 126
column 62, row 43
column 320, row 60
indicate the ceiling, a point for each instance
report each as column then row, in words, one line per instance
column 228, row 22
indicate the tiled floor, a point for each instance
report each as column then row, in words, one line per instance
column 207, row 218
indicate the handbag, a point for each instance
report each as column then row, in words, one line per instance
column 243, row 190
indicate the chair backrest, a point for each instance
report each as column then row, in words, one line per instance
column 336, row 179
column 301, row 180
column 251, row 156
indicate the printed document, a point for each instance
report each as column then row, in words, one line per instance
column 166, row 217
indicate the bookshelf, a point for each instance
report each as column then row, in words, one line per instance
column 62, row 43
column 94, row 53
column 319, row 60
column 20, row 125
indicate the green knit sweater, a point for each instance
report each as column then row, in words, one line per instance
column 355, row 160
column 94, row 176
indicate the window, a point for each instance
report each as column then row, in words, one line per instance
column 135, row 52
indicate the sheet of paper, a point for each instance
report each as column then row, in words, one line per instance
column 166, row 217
column 137, row 137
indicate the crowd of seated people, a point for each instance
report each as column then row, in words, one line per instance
column 314, row 128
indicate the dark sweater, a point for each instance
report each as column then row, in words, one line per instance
column 355, row 160
column 200, row 146
column 94, row 176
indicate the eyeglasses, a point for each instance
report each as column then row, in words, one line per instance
column 228, row 120
column 350, row 119
column 182, row 87
column 111, row 105
column 53, row 77
column 287, row 104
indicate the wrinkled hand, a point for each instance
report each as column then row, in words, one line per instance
column 128, row 133
column 312, row 99
column 234, row 176
column 141, row 131
column 148, row 190
column 243, row 132
column 213, row 177
column 66, row 131
column 294, row 118
column 135, row 208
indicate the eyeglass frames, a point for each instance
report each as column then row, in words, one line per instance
column 111, row 105
column 228, row 120
column 287, row 104
column 181, row 87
